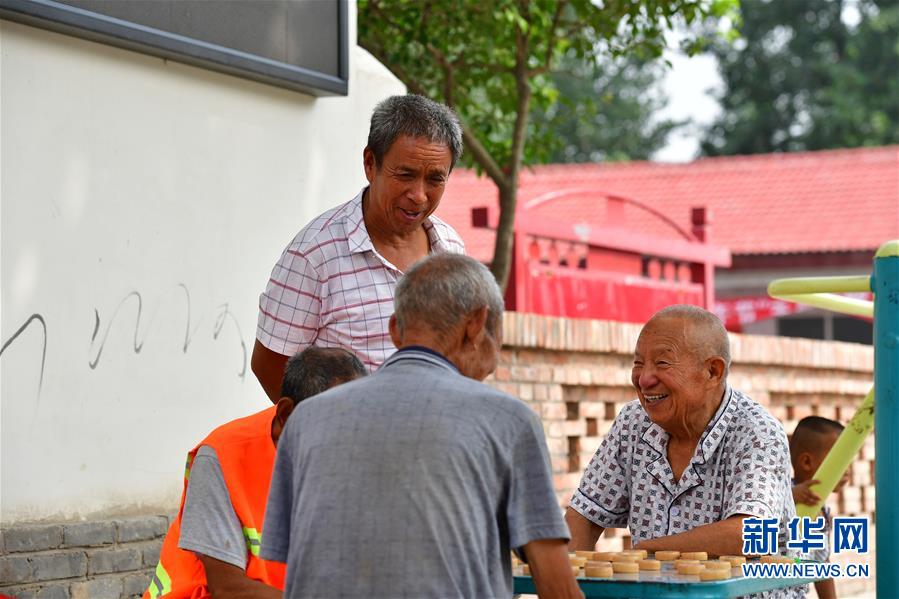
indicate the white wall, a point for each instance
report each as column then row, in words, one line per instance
column 124, row 174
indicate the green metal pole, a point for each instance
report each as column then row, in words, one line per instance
column 802, row 285
column 885, row 284
column 821, row 292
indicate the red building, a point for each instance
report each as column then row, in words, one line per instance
column 634, row 226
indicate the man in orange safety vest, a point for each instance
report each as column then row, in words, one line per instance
column 212, row 546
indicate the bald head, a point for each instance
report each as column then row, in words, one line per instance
column 704, row 333
column 680, row 369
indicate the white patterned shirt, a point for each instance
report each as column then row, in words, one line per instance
column 331, row 287
column 741, row 466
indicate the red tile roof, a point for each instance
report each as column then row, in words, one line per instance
column 803, row 202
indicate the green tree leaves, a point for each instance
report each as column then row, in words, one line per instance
column 803, row 78
column 490, row 61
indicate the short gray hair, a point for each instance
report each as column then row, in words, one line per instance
column 708, row 329
column 442, row 289
column 415, row 116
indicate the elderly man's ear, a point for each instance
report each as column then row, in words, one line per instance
column 394, row 331
column 716, row 370
column 476, row 327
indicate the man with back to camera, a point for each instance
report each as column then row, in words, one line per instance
column 684, row 464
column 212, row 546
column 418, row 480
column 333, row 285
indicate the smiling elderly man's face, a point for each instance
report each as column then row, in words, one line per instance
column 406, row 187
column 671, row 377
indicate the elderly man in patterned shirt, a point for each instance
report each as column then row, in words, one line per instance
column 333, row 285
column 686, row 463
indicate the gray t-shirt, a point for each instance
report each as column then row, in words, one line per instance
column 412, row 482
column 209, row 524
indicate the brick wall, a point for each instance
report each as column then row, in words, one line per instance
column 576, row 375
column 90, row 560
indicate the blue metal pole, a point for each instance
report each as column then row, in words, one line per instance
column 885, row 285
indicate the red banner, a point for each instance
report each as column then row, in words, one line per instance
column 576, row 293
column 736, row 312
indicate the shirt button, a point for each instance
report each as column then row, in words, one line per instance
column 675, row 511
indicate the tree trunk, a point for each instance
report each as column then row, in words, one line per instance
column 505, row 235
column 508, row 188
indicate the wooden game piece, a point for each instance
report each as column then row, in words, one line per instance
column 577, row 561
column 714, row 574
column 697, row 555
column 585, row 554
column 734, row 560
column 597, row 564
column 599, row 571
column 667, row 556
column 625, row 557
column 626, row 567
column 606, row 556
column 650, row 564
column 680, row 561
column 642, row 553
column 690, row 568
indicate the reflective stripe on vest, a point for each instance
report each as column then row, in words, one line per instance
column 254, row 540
column 190, row 461
column 160, row 583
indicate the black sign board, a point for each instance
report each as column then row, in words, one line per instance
column 297, row 44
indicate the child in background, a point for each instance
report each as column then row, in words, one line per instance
column 809, row 444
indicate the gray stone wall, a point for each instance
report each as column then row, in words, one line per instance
column 92, row 560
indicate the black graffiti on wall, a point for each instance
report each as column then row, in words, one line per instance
column 138, row 345
column 225, row 316
column 100, row 333
column 40, row 320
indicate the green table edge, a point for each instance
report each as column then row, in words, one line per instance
column 735, row 587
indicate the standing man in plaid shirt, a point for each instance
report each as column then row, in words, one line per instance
column 333, row 285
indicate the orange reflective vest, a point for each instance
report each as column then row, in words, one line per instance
column 247, row 455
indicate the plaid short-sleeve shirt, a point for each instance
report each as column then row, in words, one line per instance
column 741, row 466
column 331, row 287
